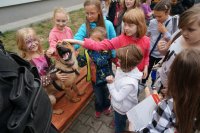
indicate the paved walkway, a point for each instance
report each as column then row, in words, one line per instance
column 87, row 123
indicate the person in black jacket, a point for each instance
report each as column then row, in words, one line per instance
column 179, row 6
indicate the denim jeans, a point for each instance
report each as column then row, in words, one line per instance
column 102, row 101
column 120, row 122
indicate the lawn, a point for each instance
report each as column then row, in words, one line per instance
column 42, row 29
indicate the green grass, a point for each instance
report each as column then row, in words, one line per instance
column 42, row 29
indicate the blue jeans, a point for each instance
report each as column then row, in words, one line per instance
column 120, row 122
column 102, row 101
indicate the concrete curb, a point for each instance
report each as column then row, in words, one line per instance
column 33, row 20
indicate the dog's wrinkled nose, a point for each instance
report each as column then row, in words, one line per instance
column 58, row 46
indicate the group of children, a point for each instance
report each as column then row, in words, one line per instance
column 137, row 49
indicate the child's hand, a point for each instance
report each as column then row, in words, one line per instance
column 62, row 76
column 145, row 72
column 49, row 52
column 162, row 46
column 161, row 28
column 72, row 41
column 110, row 79
column 76, row 53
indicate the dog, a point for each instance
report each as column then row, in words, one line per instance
column 66, row 63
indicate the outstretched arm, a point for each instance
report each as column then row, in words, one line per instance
column 74, row 41
column 95, row 45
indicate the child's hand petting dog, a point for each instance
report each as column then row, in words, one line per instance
column 50, row 52
column 62, row 76
column 110, row 79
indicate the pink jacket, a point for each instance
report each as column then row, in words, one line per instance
column 57, row 35
column 120, row 41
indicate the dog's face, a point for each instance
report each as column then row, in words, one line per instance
column 65, row 52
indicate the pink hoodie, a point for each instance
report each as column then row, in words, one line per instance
column 56, row 35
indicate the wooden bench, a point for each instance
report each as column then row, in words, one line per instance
column 72, row 110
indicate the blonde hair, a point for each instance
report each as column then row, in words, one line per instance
column 136, row 16
column 189, row 17
column 130, row 56
column 21, row 36
column 100, row 30
column 60, row 10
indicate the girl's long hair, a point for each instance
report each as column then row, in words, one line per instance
column 100, row 21
column 184, row 88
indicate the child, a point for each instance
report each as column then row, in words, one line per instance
column 114, row 12
column 189, row 23
column 105, row 7
column 60, row 31
column 128, row 5
column 101, row 66
column 124, row 87
column 30, row 47
column 181, row 110
column 94, row 17
column 134, row 33
column 145, row 5
column 159, row 28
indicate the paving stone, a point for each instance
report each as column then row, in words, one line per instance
column 92, row 130
column 90, row 111
column 94, row 123
column 105, row 129
column 106, row 119
column 80, row 128
column 73, row 125
column 83, row 118
column 70, row 131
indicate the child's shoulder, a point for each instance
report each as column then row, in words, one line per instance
column 68, row 28
column 153, row 21
column 107, row 22
column 145, row 39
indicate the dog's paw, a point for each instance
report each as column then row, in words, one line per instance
column 80, row 93
column 52, row 99
column 58, row 111
column 75, row 99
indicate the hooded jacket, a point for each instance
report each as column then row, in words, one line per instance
column 124, row 90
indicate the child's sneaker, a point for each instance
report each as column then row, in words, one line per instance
column 97, row 114
column 107, row 111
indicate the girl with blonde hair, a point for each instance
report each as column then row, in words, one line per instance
column 60, row 30
column 31, row 50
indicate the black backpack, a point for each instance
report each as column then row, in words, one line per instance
column 24, row 105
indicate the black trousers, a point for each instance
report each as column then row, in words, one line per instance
column 152, row 61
